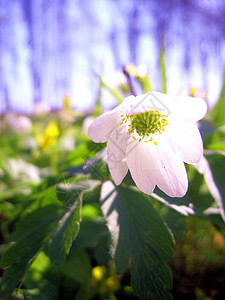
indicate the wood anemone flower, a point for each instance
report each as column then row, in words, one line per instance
column 152, row 135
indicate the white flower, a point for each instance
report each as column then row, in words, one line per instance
column 152, row 135
column 20, row 124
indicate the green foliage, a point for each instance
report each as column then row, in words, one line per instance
column 67, row 230
column 163, row 68
column 114, row 92
column 61, row 240
column 218, row 112
column 216, row 184
column 145, row 83
column 145, row 240
column 41, row 279
column 32, row 233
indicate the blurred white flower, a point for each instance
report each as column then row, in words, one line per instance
column 19, row 124
column 41, row 108
column 18, row 169
column 152, row 135
column 67, row 143
column 142, row 70
column 30, row 143
column 115, row 79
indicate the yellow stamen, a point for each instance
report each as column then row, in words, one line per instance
column 145, row 125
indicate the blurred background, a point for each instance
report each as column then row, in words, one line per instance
column 49, row 49
column 62, row 62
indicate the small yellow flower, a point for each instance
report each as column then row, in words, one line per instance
column 193, row 92
column 66, row 102
column 105, row 282
column 98, row 273
column 112, row 284
column 49, row 137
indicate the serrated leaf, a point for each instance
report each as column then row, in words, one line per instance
column 101, row 251
column 32, row 232
column 66, row 232
column 11, row 278
column 34, row 221
column 184, row 206
column 68, row 191
column 91, row 232
column 77, row 266
column 145, row 240
column 176, row 223
column 41, row 278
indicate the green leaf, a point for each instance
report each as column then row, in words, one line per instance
column 101, row 251
column 175, row 222
column 217, row 146
column 98, row 109
column 214, row 173
column 66, row 232
column 144, row 239
column 77, row 156
column 41, row 281
column 46, row 197
column 91, row 232
column 163, row 68
column 31, row 234
column 32, row 231
column 145, row 83
column 183, row 206
column 11, row 278
column 114, row 92
column 215, row 140
column 77, row 266
column 218, row 112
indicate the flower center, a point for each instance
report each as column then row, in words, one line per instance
column 145, row 126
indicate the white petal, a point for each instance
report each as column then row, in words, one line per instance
column 181, row 107
column 100, row 130
column 116, row 154
column 143, row 103
column 187, row 141
column 141, row 167
column 186, row 108
column 152, row 165
column 170, row 174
